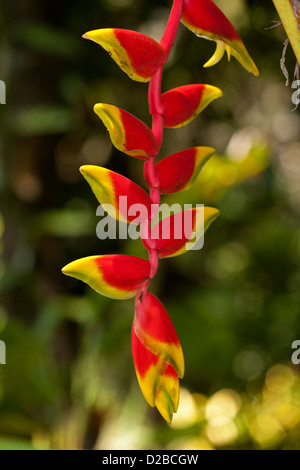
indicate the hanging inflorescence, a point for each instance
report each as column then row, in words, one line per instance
column 156, row 350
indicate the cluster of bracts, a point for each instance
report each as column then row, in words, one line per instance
column 156, row 350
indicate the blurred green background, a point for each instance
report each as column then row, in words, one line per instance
column 69, row 381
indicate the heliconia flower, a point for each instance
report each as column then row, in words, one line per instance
column 179, row 233
column 136, row 54
column 157, row 379
column 115, row 276
column 206, row 20
column 127, row 133
column 156, row 331
column 183, row 104
column 116, row 193
column 180, row 170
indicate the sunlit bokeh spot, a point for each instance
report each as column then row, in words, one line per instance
column 187, row 413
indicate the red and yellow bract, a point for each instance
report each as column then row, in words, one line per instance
column 183, row 104
column 128, row 134
column 180, row 170
column 110, row 187
column 206, row 20
column 155, row 330
column 158, row 380
column 115, row 276
column 183, row 230
column 136, row 54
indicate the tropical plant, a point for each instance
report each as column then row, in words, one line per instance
column 156, row 349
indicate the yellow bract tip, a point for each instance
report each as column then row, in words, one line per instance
column 219, row 52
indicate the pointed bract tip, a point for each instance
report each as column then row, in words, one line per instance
column 211, row 211
column 79, row 268
column 213, row 91
column 98, row 107
column 69, row 269
column 86, row 169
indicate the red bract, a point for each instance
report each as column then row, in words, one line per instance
column 179, row 233
column 205, row 19
column 115, row 276
column 116, row 192
column 157, row 354
column 180, row 170
column 183, row 104
column 127, row 133
column 155, row 330
column 136, row 54
column 158, row 380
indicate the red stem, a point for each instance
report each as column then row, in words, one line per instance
column 156, row 109
column 172, row 27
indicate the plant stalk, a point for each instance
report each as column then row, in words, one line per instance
column 156, row 109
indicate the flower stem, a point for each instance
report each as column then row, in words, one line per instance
column 156, row 109
column 172, row 27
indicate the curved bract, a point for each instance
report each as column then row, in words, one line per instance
column 179, row 233
column 206, row 20
column 179, row 171
column 114, row 276
column 185, row 103
column 138, row 55
column 157, row 379
column 128, row 134
column 116, row 193
column 155, row 330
